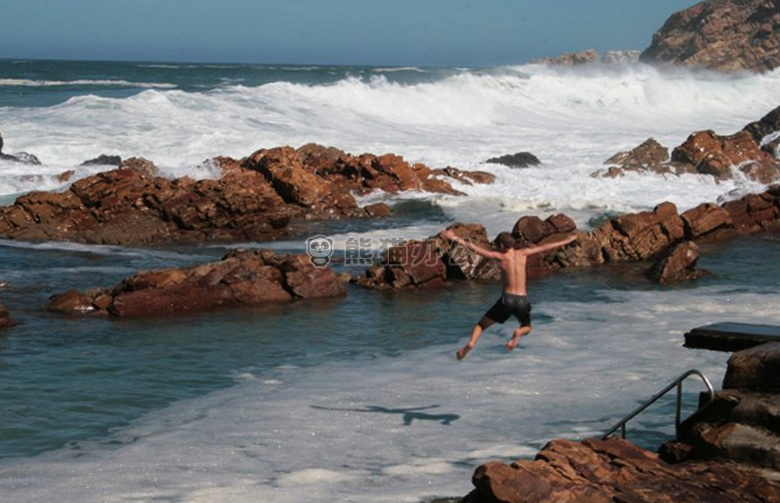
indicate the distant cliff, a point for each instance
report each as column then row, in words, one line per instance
column 722, row 35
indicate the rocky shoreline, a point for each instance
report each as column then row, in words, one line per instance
column 727, row 452
column 262, row 196
column 258, row 198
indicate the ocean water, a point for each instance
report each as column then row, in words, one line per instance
column 360, row 398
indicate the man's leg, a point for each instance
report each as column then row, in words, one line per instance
column 519, row 332
column 476, row 332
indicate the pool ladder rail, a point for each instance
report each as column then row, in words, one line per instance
column 677, row 383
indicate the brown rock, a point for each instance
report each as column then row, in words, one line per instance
column 174, row 299
column 588, row 250
column 722, row 35
column 283, row 167
column 572, row 58
column 562, row 223
column 645, row 234
column 755, row 368
column 704, row 219
column 649, row 156
column 708, row 153
column 72, row 302
column 255, row 199
column 5, row 318
column 613, row 470
column 463, row 263
column 378, row 210
column 532, row 230
column 466, row 177
column 421, row 260
column 307, row 282
column 240, row 278
column 678, row 265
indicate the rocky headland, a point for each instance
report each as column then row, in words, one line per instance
column 720, row 35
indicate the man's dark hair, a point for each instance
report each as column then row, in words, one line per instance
column 505, row 240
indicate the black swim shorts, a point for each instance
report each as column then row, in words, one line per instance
column 511, row 305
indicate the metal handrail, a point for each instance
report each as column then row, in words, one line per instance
column 678, row 383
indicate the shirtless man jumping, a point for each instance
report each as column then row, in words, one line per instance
column 513, row 300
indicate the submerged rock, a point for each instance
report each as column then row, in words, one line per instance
column 5, row 318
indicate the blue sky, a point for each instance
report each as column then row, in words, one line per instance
column 373, row 32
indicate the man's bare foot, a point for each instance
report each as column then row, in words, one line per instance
column 512, row 344
column 462, row 352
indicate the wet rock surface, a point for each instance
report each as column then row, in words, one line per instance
column 728, row 452
column 241, row 278
column 750, row 153
column 256, row 198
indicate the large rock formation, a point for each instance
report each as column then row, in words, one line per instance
column 722, row 35
column 255, row 199
column 614, row 470
column 241, row 278
column 750, row 153
column 718, row 458
column 433, row 261
column 742, row 424
column 661, row 235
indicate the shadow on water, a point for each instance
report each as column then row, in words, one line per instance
column 409, row 414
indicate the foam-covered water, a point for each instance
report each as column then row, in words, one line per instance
column 354, row 399
column 572, row 119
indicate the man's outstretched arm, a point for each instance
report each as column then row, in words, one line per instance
column 549, row 246
column 449, row 234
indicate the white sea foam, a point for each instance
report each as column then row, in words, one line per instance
column 399, row 429
column 85, row 83
column 572, row 119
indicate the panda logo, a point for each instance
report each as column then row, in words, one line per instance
column 319, row 248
